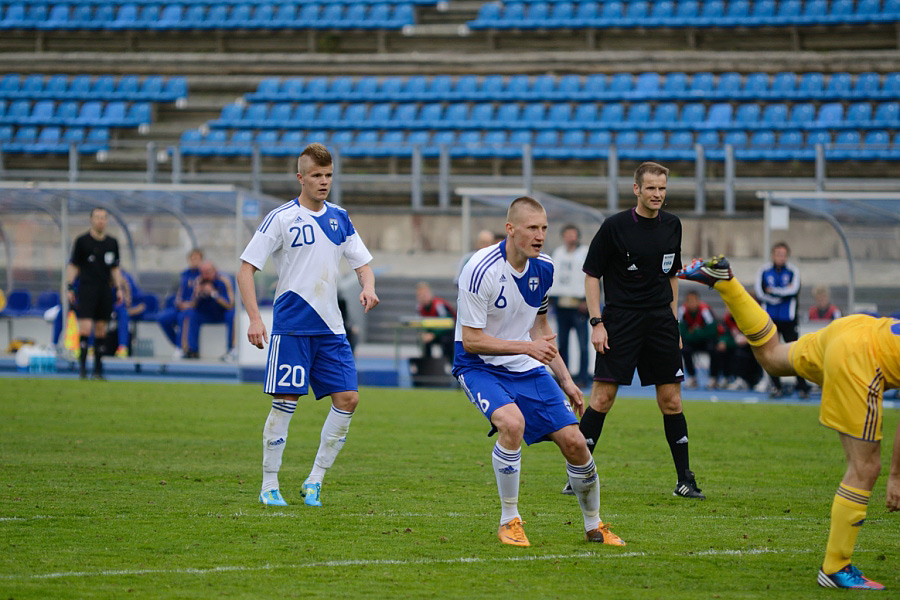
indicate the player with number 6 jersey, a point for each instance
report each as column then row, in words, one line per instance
column 503, row 342
column 307, row 238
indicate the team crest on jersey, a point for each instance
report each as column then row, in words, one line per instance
column 333, row 223
column 667, row 262
column 533, row 283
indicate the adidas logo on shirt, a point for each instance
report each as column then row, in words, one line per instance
column 502, row 278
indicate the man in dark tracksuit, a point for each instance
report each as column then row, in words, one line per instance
column 777, row 287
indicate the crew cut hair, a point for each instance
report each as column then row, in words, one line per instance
column 522, row 202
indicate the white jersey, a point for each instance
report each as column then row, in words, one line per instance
column 568, row 280
column 503, row 303
column 307, row 248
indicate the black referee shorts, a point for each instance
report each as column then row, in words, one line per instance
column 645, row 339
column 94, row 303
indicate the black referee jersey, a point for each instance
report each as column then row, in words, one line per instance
column 635, row 257
column 95, row 259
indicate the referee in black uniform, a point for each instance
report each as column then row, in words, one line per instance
column 637, row 253
column 95, row 264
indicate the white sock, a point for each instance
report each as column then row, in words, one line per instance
column 274, row 440
column 334, row 434
column 507, row 467
column 586, row 486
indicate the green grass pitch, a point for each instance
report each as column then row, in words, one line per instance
column 142, row 490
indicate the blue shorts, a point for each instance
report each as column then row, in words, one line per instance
column 543, row 404
column 290, row 371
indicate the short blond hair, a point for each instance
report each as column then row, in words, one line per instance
column 316, row 154
column 519, row 204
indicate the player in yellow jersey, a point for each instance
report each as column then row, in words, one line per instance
column 854, row 359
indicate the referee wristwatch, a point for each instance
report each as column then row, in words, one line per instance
column 596, row 321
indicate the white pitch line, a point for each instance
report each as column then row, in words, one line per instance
column 383, row 561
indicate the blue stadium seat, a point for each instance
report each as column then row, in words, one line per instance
column 304, row 114
column 729, row 86
column 432, row 115
column 456, row 116
column 788, row 12
column 58, row 17
column 533, row 112
column 692, row 115
column 24, row 140
column 784, row 85
column 686, row 13
column 756, row 86
column 594, row 87
column 18, row 112
column 887, row 114
column 35, row 15
column 812, row 85
column 562, row 15
column 859, row 114
column 701, row 85
column 355, row 115
column 171, row 17
column 308, row 15
column 842, row 11
column 774, row 115
column 840, row 85
column 802, row 115
column 542, row 88
column 508, row 115
column 646, row 87
column 18, row 303
column 332, row 16
column 266, row 91
column 558, row 116
column 49, row 141
column 708, row 139
column 152, row 89
column 356, row 15
column 738, row 13
column 587, row 13
column 263, row 16
column 585, row 116
column 867, row 11
column 867, row 86
column 240, row 143
column 738, row 139
column 414, row 89
column 568, row 87
column 255, row 115
column 41, row 113
column 314, row 88
column 620, row 85
column 831, row 115
column 637, row 13
column 846, row 146
column 280, row 115
column 675, row 86
column 748, row 115
column 9, row 85
column 814, row 138
column 875, row 146
column 90, row 113
column 814, row 12
column 488, row 16
column 712, row 13
column 611, row 115
column 719, row 116
column 611, row 14
column 662, row 14
column 80, row 87
column 285, row 14
column 391, row 88
column 891, row 86
column 127, row 87
column 638, row 116
column 491, row 88
column 536, row 15
column 665, row 115
column 103, row 88
column 339, row 88
column 32, row 86
column 14, row 18
column 438, row 89
column 518, row 87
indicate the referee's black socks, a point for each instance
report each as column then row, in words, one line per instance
column 83, row 343
column 677, row 436
column 99, row 351
column 591, row 425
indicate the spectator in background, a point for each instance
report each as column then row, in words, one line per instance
column 568, row 299
column 778, row 287
column 132, row 307
column 213, row 302
column 485, row 238
column 746, row 371
column 824, row 309
column 172, row 318
column 699, row 333
column 433, row 306
column 95, row 263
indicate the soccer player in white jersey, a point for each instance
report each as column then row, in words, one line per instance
column 307, row 238
column 503, row 342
